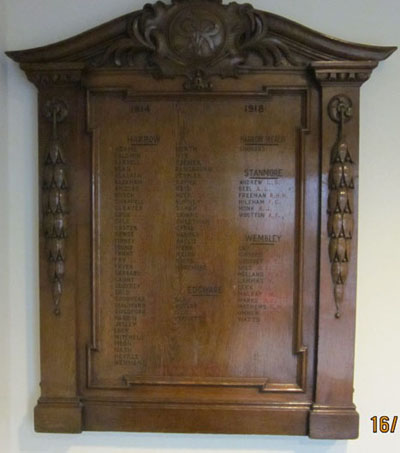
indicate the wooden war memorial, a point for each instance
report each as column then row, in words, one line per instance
column 198, row 239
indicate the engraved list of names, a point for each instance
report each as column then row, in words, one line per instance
column 197, row 229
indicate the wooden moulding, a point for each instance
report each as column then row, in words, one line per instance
column 245, row 323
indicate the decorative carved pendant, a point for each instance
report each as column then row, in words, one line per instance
column 55, row 203
column 341, row 202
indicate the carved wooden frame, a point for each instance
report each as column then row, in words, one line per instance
column 233, row 44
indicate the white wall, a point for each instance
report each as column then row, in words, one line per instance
column 4, row 299
column 40, row 22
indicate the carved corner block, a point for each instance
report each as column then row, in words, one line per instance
column 58, row 415
column 345, row 74
column 45, row 76
column 333, row 423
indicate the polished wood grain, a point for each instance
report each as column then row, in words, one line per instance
column 199, row 171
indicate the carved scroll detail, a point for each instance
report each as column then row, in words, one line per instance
column 197, row 39
column 55, row 203
column 341, row 199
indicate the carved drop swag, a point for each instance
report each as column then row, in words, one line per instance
column 55, row 203
column 341, row 202
column 207, row 53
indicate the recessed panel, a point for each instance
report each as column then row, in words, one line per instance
column 196, row 234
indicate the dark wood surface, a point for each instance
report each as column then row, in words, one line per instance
column 199, row 171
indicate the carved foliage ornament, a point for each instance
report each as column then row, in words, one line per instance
column 55, row 205
column 197, row 39
column 341, row 199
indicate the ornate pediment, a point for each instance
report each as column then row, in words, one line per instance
column 195, row 38
column 199, row 39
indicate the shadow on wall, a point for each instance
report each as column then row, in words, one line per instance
column 91, row 442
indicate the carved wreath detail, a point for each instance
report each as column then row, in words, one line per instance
column 341, row 199
column 195, row 34
column 192, row 37
column 55, row 205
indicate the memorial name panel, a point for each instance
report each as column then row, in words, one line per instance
column 197, row 231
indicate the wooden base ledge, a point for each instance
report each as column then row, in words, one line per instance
column 58, row 415
column 64, row 415
column 328, row 422
column 191, row 419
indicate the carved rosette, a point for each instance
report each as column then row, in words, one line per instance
column 341, row 199
column 197, row 39
column 55, row 203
